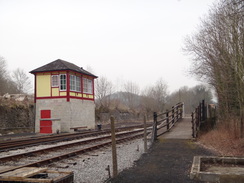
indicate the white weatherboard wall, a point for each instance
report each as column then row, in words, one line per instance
column 75, row 113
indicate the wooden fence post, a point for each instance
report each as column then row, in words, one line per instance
column 177, row 113
column 198, row 114
column 173, row 115
column 203, row 111
column 145, row 134
column 193, row 120
column 114, row 154
column 167, row 119
column 154, row 134
column 241, row 124
column 181, row 110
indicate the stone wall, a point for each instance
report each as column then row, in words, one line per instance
column 16, row 116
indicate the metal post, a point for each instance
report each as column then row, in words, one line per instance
column 145, row 134
column 114, row 154
column 108, row 169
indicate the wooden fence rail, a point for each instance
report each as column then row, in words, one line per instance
column 166, row 120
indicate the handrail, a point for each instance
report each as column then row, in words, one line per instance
column 170, row 117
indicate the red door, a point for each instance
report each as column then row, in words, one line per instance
column 45, row 125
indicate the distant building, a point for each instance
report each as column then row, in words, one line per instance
column 64, row 97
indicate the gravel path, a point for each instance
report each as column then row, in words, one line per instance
column 91, row 167
column 168, row 161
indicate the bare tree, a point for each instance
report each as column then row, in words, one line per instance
column 131, row 93
column 6, row 84
column 217, row 51
column 3, row 67
column 154, row 97
column 160, row 93
column 3, row 71
column 190, row 96
column 22, row 81
column 104, row 89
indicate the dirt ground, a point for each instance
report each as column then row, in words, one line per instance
column 168, row 161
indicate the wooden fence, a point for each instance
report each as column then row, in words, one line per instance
column 163, row 122
column 204, row 116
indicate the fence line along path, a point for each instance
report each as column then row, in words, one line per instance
column 181, row 130
column 171, row 124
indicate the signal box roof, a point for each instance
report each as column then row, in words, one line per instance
column 61, row 65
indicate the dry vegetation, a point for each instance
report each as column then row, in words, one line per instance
column 224, row 139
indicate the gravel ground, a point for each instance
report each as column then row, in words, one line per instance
column 91, row 167
column 168, row 161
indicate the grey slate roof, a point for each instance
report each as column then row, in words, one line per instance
column 61, row 65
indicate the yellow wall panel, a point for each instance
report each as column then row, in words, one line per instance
column 75, row 94
column 43, row 85
column 55, row 92
column 63, row 93
column 72, row 94
column 87, row 96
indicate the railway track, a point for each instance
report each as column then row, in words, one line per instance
column 33, row 141
column 46, row 156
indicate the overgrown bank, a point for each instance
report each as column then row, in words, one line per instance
column 16, row 116
column 224, row 139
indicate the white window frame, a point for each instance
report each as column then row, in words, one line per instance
column 78, row 84
column 55, row 81
column 62, row 84
column 72, row 82
column 75, row 83
column 87, row 86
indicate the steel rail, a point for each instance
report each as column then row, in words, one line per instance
column 26, row 154
column 73, row 153
column 14, row 144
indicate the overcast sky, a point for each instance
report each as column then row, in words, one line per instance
column 124, row 40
